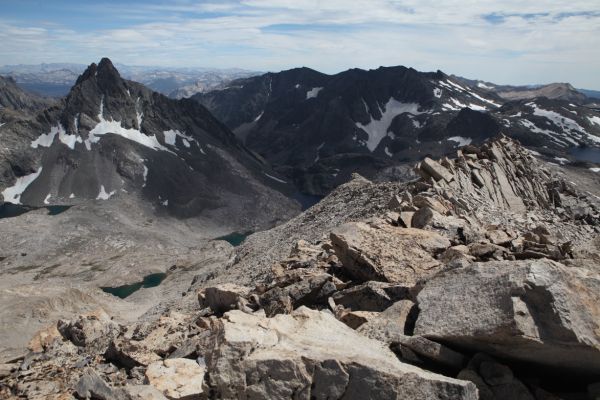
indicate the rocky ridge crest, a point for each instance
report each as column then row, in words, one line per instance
column 478, row 280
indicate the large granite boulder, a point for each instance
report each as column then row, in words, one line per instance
column 378, row 251
column 310, row 355
column 533, row 310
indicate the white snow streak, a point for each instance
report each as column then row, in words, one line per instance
column 484, row 86
column 594, row 120
column 115, row 127
column 318, row 150
column 595, row 169
column 13, row 194
column 387, row 152
column 274, row 178
column 259, row 116
column 377, row 129
column 314, row 92
column 437, row 92
column 46, row 200
column 103, row 195
column 462, row 141
column 46, row 139
column 562, row 160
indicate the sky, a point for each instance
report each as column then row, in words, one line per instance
column 504, row 42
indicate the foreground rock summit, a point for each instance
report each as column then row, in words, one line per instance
column 480, row 280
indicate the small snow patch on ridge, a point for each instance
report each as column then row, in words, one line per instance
column 594, row 120
column 595, row 169
column 109, row 126
column 103, row 195
column 377, row 129
column 274, row 178
column 484, row 86
column 461, row 141
column 13, row 194
column 314, row 92
column 437, row 92
column 46, row 139
column 47, row 199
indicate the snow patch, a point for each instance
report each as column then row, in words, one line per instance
column 46, row 139
column 416, row 124
column 484, row 86
column 46, row 200
column 562, row 160
column 109, row 126
column 13, row 194
column 377, row 129
column 274, row 178
column 461, row 141
column 594, row 120
column 318, row 150
column 564, row 141
column 595, row 169
column 72, row 196
column 259, row 116
column 297, row 85
column 437, row 92
column 165, row 203
column 535, row 153
column 170, row 137
column 314, row 92
column 145, row 174
column 387, row 152
column 103, row 195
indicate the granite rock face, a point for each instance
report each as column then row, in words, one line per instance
column 534, row 310
column 309, row 354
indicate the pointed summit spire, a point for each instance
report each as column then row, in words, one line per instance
column 106, row 69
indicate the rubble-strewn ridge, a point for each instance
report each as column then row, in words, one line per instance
column 479, row 280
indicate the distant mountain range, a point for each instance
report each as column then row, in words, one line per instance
column 317, row 129
column 112, row 137
column 56, row 79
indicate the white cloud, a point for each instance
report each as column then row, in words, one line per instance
column 507, row 42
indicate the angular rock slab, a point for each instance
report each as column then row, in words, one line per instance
column 381, row 252
column 177, row 378
column 532, row 310
column 309, row 354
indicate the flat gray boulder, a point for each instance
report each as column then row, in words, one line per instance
column 532, row 310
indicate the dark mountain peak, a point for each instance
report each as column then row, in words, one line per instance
column 104, row 72
column 106, row 69
column 87, row 74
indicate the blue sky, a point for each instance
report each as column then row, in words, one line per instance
column 505, row 41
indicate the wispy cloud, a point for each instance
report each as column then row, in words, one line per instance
column 508, row 41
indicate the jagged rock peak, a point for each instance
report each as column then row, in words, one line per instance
column 104, row 71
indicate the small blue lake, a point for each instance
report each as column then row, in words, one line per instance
column 591, row 154
column 235, row 238
column 124, row 291
column 10, row 210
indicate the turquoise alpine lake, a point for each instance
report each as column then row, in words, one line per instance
column 124, row 291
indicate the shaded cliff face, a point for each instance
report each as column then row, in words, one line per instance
column 317, row 129
column 16, row 103
column 111, row 136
